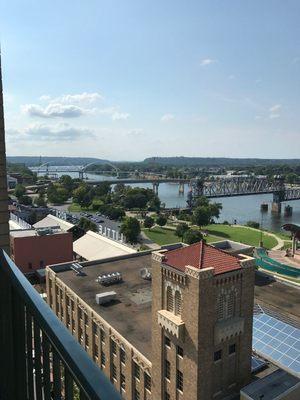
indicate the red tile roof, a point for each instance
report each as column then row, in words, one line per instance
column 201, row 255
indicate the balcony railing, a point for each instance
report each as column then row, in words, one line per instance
column 39, row 358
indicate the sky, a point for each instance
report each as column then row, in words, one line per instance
column 125, row 80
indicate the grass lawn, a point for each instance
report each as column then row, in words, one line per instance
column 238, row 234
column 216, row 232
column 161, row 236
column 74, row 207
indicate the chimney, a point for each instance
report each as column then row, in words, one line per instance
column 4, row 214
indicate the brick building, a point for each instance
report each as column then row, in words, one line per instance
column 34, row 249
column 186, row 335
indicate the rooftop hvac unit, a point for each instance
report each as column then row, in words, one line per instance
column 77, row 268
column 106, row 297
column 146, row 274
column 110, row 278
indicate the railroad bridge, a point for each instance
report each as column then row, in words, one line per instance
column 243, row 186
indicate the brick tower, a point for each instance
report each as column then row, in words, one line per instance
column 4, row 215
column 201, row 323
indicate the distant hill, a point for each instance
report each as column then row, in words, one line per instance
column 57, row 161
column 217, row 161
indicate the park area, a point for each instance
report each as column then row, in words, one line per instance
column 215, row 232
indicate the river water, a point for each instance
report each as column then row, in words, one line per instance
column 241, row 209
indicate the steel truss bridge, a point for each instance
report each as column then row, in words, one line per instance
column 242, row 186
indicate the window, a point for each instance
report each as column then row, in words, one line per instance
column 179, row 351
column 231, row 305
column 179, row 380
column 87, row 340
column 114, row 372
column 113, row 347
column 167, row 342
column 103, row 359
column 96, row 350
column 86, row 319
column 122, row 356
column 123, row 384
column 167, row 369
column 136, row 370
column 231, row 349
column 147, row 379
column 167, row 396
column 136, row 394
column 177, row 303
column 170, row 300
column 217, row 355
column 221, row 306
column 95, row 329
column 79, row 313
column 102, row 336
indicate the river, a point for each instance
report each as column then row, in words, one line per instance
column 241, row 209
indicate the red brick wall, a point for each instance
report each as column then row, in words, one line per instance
column 51, row 249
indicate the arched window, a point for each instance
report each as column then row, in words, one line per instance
column 170, row 299
column 177, row 303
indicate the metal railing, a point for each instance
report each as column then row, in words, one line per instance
column 39, row 358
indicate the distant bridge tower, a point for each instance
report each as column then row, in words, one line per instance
column 278, row 195
column 155, row 186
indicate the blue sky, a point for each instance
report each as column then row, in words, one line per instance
column 129, row 79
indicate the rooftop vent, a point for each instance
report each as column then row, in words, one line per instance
column 106, row 297
column 146, row 274
column 110, row 278
column 78, row 269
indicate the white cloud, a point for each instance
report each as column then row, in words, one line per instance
column 42, row 132
column 167, row 117
column 55, row 110
column 45, row 97
column 116, row 116
column 207, row 61
column 275, row 111
column 275, row 108
column 114, row 113
column 80, row 98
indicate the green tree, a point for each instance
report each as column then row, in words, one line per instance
column 19, row 191
column 67, row 183
column 26, row 200
column 205, row 211
column 87, row 225
column 131, row 229
column 148, row 222
column 181, row 229
column 161, row 220
column 82, row 195
column 192, row 236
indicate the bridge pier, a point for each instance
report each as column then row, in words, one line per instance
column 276, row 207
column 155, row 187
column 181, row 188
column 80, row 175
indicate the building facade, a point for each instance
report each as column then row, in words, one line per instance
column 199, row 318
column 32, row 251
column 4, row 215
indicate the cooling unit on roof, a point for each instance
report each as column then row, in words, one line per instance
column 77, row 268
column 146, row 274
column 110, row 278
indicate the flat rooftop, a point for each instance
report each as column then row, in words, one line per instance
column 271, row 386
column 130, row 314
